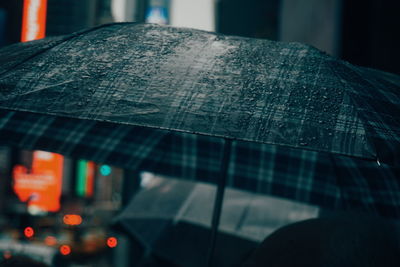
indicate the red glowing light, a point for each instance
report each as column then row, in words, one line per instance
column 65, row 250
column 112, row 242
column 7, row 255
column 28, row 232
column 72, row 219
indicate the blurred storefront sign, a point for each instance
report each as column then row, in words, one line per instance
column 33, row 20
column 40, row 188
column 85, row 178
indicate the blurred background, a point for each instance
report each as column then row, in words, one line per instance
column 364, row 32
column 72, row 212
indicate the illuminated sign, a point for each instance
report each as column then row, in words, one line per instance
column 85, row 178
column 41, row 188
column 33, row 20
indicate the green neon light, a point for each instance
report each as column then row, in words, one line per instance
column 81, row 178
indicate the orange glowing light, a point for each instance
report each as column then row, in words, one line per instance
column 50, row 240
column 72, row 219
column 65, row 250
column 112, row 242
column 43, row 185
column 33, row 20
column 29, row 232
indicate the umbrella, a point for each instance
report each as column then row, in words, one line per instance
column 283, row 118
column 170, row 211
column 353, row 240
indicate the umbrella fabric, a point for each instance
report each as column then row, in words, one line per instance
column 344, row 240
column 336, row 182
column 307, row 126
column 198, row 82
column 245, row 214
column 171, row 218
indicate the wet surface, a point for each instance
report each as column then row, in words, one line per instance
column 198, row 82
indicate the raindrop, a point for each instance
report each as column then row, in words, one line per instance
column 377, row 161
column 321, row 121
column 330, row 134
column 303, row 144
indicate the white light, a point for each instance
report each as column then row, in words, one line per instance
column 35, row 210
column 33, row 24
column 197, row 14
column 118, row 10
column 43, row 155
column 147, row 179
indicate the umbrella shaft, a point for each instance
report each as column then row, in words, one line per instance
column 219, row 199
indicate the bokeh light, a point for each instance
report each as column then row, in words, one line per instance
column 65, row 250
column 72, row 219
column 29, row 232
column 112, row 242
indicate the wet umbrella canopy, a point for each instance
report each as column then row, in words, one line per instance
column 304, row 125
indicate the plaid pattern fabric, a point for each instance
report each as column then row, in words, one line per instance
column 318, row 178
column 101, row 142
column 193, row 81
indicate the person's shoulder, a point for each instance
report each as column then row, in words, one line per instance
column 341, row 239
